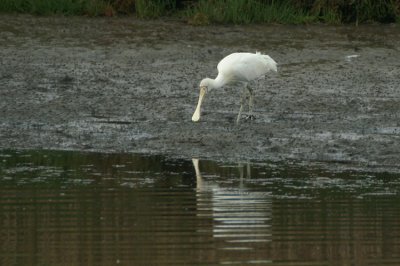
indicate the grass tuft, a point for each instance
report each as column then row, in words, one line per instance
column 153, row 8
column 248, row 11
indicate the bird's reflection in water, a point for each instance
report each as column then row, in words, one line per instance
column 241, row 216
column 243, row 174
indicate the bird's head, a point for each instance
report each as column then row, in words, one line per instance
column 206, row 85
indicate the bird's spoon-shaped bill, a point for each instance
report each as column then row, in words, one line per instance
column 196, row 115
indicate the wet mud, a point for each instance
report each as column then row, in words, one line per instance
column 125, row 85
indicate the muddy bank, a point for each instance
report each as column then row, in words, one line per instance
column 123, row 85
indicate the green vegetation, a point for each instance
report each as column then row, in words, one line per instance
column 49, row 7
column 201, row 12
column 346, row 11
column 153, row 8
column 248, row 11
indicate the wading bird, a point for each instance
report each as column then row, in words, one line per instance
column 237, row 68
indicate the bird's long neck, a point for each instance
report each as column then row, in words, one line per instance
column 218, row 82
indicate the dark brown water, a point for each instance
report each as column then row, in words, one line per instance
column 70, row 208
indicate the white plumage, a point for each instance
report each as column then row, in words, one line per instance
column 237, row 68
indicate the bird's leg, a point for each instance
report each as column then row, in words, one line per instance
column 242, row 99
column 250, row 115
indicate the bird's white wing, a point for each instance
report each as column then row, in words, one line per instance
column 244, row 67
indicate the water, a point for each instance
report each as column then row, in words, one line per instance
column 71, row 208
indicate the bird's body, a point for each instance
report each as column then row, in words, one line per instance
column 245, row 67
column 236, row 68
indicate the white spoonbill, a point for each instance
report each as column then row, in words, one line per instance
column 237, row 68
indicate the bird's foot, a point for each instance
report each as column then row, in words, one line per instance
column 250, row 117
